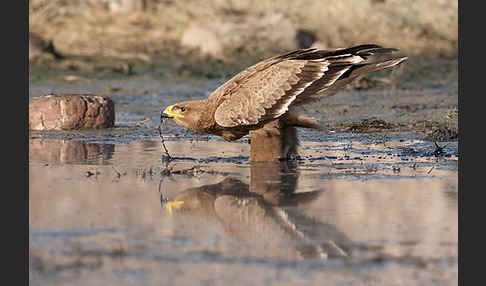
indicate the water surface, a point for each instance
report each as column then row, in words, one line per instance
column 107, row 207
column 348, row 210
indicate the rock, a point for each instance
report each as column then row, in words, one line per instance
column 305, row 38
column 71, row 111
column 36, row 46
column 370, row 125
column 39, row 47
column 127, row 6
column 71, row 78
column 442, row 133
column 250, row 35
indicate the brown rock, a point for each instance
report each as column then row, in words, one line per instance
column 223, row 38
column 39, row 47
column 77, row 111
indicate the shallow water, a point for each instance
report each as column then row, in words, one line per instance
column 109, row 207
column 123, row 214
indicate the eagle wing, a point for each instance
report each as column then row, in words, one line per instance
column 264, row 91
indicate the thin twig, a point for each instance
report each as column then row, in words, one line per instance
column 162, row 139
column 163, row 199
column 118, row 173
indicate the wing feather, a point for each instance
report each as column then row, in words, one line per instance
column 265, row 90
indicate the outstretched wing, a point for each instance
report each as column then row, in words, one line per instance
column 265, row 90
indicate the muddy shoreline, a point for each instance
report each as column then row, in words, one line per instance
column 429, row 111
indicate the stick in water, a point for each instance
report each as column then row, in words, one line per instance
column 162, row 139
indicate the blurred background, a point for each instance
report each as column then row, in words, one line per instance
column 195, row 35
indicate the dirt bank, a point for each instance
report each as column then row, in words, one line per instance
column 235, row 31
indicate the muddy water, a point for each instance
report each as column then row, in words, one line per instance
column 346, row 211
column 108, row 207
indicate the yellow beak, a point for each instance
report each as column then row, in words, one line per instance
column 172, row 204
column 168, row 112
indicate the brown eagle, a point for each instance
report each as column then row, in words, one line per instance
column 260, row 100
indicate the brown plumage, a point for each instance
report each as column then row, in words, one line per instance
column 259, row 101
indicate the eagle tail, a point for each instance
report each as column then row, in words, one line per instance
column 343, row 66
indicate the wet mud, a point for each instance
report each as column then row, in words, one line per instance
column 370, row 200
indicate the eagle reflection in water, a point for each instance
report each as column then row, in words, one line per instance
column 267, row 214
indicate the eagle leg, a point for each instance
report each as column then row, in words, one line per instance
column 273, row 142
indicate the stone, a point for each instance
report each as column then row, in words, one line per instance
column 40, row 48
column 252, row 35
column 71, row 111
